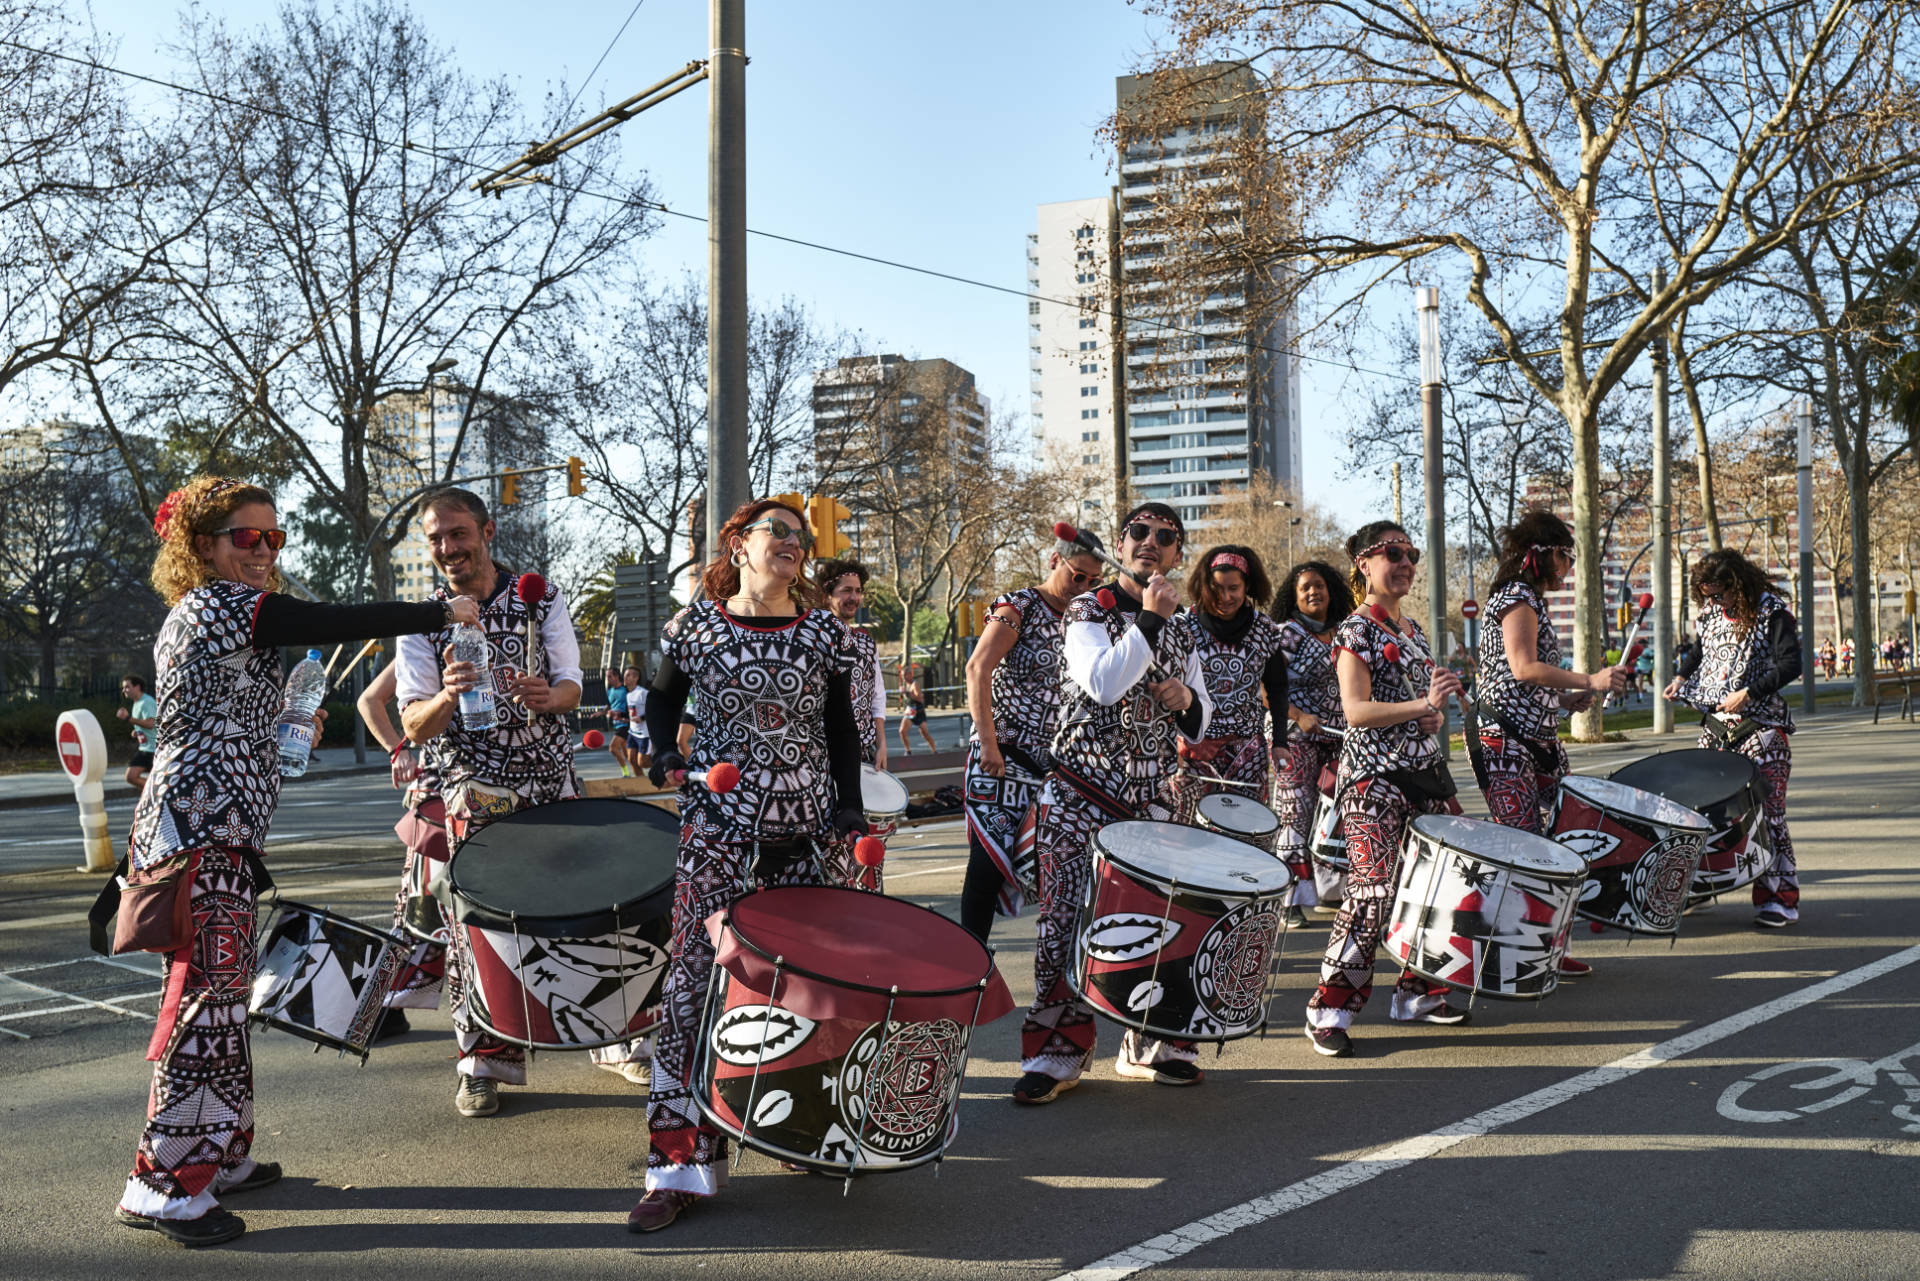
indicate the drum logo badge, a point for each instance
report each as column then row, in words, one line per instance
column 750, row 1034
column 906, row 1071
column 1230, row 967
column 1662, row 876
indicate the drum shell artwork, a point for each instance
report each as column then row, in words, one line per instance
column 1328, row 844
column 561, row 916
column 1641, row 851
column 422, row 829
column 828, row 1073
column 883, row 798
column 1471, row 915
column 324, row 977
column 1725, row 789
column 1165, row 955
column 1239, row 817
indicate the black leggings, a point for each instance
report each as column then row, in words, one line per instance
column 980, row 891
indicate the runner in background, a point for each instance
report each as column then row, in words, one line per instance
column 143, row 716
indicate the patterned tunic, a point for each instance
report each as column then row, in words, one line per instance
column 1532, row 710
column 865, row 676
column 1026, row 684
column 1311, row 684
column 216, row 772
column 1233, row 671
column 1731, row 659
column 1122, row 750
column 763, row 701
column 1372, row 752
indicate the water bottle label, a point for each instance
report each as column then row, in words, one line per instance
column 476, row 702
column 294, row 739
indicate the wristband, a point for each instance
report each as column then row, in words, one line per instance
column 394, row 755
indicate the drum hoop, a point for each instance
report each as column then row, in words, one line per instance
column 1200, row 810
column 788, row 966
column 1577, row 874
column 1156, row 881
column 1704, row 826
column 282, row 906
column 307, row 1034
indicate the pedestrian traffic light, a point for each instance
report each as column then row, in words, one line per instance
column 963, row 619
column 576, row 478
column 1623, row 615
column 823, row 517
column 510, row 489
column 1773, row 525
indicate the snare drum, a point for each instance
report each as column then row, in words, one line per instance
column 1641, row 852
column 1484, row 908
column 1241, row 817
column 561, row 915
column 883, row 797
column 324, row 977
column 1329, row 845
column 1725, row 789
column 1177, row 930
column 836, row 1027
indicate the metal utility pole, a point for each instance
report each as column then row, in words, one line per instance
column 726, row 263
column 1397, row 517
column 1427, row 307
column 1805, row 423
column 1662, row 531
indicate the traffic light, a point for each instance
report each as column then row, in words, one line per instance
column 1773, row 525
column 963, row 619
column 576, row 478
column 1624, row 615
column 510, row 489
column 823, row 517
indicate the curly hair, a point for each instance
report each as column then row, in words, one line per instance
column 721, row 578
column 199, row 507
column 1339, row 592
column 1519, row 563
column 1742, row 581
column 1364, row 537
column 1200, row 580
column 829, row 572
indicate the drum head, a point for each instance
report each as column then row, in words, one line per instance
column 572, row 869
column 1605, row 793
column 1503, row 846
column 1229, row 813
column 1712, row 783
column 1165, row 853
column 881, row 792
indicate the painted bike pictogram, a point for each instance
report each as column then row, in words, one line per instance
column 1838, row 1082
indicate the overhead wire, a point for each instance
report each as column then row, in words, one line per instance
column 603, row 57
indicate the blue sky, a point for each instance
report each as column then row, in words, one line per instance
column 918, row 132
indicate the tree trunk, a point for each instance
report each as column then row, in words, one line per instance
column 49, row 663
column 1864, row 590
column 1589, row 586
column 1702, row 449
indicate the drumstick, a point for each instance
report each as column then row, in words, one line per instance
column 1633, row 646
column 869, row 852
column 530, row 587
column 720, row 779
column 1068, row 534
column 593, row 739
column 1392, row 654
column 364, row 649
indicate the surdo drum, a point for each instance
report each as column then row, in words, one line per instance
column 836, row 1027
column 1177, row 932
column 1240, row 817
column 1484, row 908
column 1725, row 789
column 561, row 915
column 324, row 977
column 1329, row 842
column 1641, row 852
column 883, row 798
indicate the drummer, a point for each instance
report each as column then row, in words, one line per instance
column 844, row 583
column 1390, row 771
column 1310, row 602
column 1239, row 651
column 1013, row 695
column 1517, row 757
column 1748, row 651
column 200, row 827
column 774, row 677
column 1131, row 681
column 525, row 759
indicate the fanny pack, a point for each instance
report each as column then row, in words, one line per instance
column 772, row 859
column 478, row 804
column 1434, row 783
column 1728, row 736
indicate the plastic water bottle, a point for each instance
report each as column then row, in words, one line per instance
column 293, row 732
column 476, row 705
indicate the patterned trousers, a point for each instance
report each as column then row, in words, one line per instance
column 685, row 1153
column 1000, row 829
column 200, row 1112
column 417, row 986
column 1376, row 814
column 1773, row 754
column 1296, row 800
column 1517, row 789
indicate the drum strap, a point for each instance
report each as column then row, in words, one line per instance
column 1728, row 737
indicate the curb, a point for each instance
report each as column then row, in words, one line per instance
column 120, row 791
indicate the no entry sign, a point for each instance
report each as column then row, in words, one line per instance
column 1469, row 609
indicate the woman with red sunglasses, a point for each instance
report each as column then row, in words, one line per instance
column 1239, row 648
column 199, row 830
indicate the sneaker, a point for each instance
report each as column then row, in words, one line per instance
column 1444, row 1015
column 1774, row 917
column 1573, row 969
column 640, row 1074
column 477, row 1096
column 657, row 1209
column 1037, row 1087
column 1173, row 1072
column 394, row 1024
column 212, row 1228
column 1331, row 1041
column 1296, row 919
column 263, row 1174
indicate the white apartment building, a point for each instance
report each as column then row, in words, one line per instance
column 1075, row 413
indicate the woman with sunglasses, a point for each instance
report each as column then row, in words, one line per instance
column 1239, row 650
column 1313, row 599
column 1013, row 694
column 1394, row 699
column 200, row 828
column 1748, row 651
column 1517, row 757
column 773, row 671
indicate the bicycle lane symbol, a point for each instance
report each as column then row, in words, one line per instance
column 1844, row 1080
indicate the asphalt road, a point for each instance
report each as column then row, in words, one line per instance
column 1647, row 1122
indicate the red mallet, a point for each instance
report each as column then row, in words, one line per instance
column 723, row 778
column 1631, row 649
column 1392, row 651
column 1106, row 599
column 530, row 588
column 1068, row 534
column 593, row 738
column 869, row 851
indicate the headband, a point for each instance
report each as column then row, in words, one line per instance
column 163, row 515
column 1228, row 560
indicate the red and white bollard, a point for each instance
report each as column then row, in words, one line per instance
column 83, row 754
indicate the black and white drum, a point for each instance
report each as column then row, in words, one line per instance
column 1641, row 851
column 562, row 917
column 1329, row 842
column 1484, row 908
column 1241, row 817
column 1177, row 931
column 324, row 977
column 883, row 797
column 1725, row 789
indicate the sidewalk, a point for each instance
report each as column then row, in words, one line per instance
column 43, row 786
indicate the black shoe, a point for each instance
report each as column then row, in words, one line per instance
column 1445, row 1016
column 1331, row 1041
column 1296, row 919
column 394, row 1024
column 214, row 1227
column 1773, row 917
column 1037, row 1087
column 265, row 1174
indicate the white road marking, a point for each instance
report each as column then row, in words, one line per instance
column 1184, row 1240
column 924, row 871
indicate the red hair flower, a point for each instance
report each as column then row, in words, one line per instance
column 163, row 516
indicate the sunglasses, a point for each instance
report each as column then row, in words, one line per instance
column 1080, row 579
column 1394, row 552
column 1713, row 593
column 782, row 531
column 247, row 538
column 1140, row 532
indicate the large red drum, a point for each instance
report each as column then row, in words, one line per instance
column 562, row 916
column 1641, row 852
column 1724, row 788
column 837, row 1024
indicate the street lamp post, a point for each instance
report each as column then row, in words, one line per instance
column 439, row 366
column 1662, row 531
column 1427, row 308
column 1805, row 424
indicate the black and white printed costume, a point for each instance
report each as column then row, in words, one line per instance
column 204, row 814
column 1239, row 658
column 869, row 692
column 525, row 759
column 1313, row 689
column 1111, row 756
column 1517, row 786
column 776, row 701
